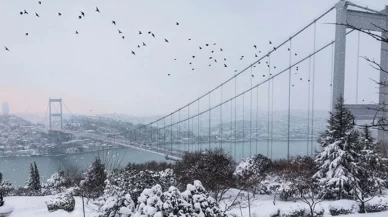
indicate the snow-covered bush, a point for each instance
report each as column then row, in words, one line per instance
column 294, row 210
column 56, row 184
column 192, row 202
column 343, row 207
column 125, row 186
column 6, row 187
column 213, row 167
column 63, row 201
column 377, row 204
column 279, row 187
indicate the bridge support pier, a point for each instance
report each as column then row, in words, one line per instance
column 57, row 114
column 370, row 20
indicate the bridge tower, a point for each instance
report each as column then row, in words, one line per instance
column 365, row 19
column 57, row 114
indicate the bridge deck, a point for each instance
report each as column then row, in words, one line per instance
column 173, row 154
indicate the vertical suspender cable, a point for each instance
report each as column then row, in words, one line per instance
column 157, row 135
column 257, row 117
column 358, row 64
column 188, row 127
column 269, row 103
column 250, row 122
column 198, row 127
column 231, row 126
column 171, row 132
column 272, row 94
column 209, row 123
column 221, row 119
column 313, row 93
column 331, row 76
column 192, row 133
column 179, row 128
column 308, row 110
column 289, row 101
column 235, row 118
column 243, row 128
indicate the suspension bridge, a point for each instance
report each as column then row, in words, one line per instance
column 242, row 122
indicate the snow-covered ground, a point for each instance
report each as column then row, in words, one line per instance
column 261, row 207
column 36, row 207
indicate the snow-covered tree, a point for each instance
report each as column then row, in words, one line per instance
column 94, row 183
column 340, row 150
column 57, row 183
column 368, row 174
column 194, row 201
column 6, row 187
column 33, row 182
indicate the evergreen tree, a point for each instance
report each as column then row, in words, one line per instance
column 340, row 150
column 1, row 177
column 94, row 183
column 30, row 182
column 369, row 170
column 37, row 178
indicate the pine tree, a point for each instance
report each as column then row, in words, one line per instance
column 368, row 174
column 340, row 150
column 94, row 183
column 37, row 178
column 30, row 182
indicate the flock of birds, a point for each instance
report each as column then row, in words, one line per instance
column 212, row 54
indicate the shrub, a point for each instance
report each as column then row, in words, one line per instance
column 377, row 204
column 63, row 201
column 343, row 207
column 293, row 211
column 214, row 167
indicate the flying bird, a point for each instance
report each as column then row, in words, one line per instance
column 59, row 14
column 189, row 39
column 200, row 47
column 212, row 51
column 82, row 13
column 80, row 17
column 210, row 58
column 207, row 44
column 300, row 78
column 255, row 46
column 21, row 12
column 25, row 12
column 214, row 44
column 175, row 59
column 27, row 33
column 166, row 40
column 210, row 64
column 274, row 48
column 153, row 35
column 138, row 46
column 235, row 70
column 6, row 48
column 177, row 23
column 123, row 36
column 288, row 49
column 149, row 32
column 140, row 33
column 215, row 60
column 241, row 57
column 263, row 75
column 274, row 67
column 144, row 44
column 114, row 22
column 255, row 55
column 296, row 54
column 133, row 53
column 36, row 14
column 221, row 49
column 193, row 56
column 97, row 10
column 168, row 74
column 120, row 32
column 224, row 59
column 76, row 32
column 253, row 76
column 270, row 42
column 192, row 69
column 225, row 65
column 190, row 63
column 40, row 2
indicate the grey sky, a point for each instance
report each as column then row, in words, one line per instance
column 95, row 69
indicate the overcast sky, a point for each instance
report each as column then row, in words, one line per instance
column 96, row 71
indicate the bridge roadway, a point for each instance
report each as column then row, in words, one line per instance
column 172, row 154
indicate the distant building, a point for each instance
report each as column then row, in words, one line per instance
column 5, row 108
